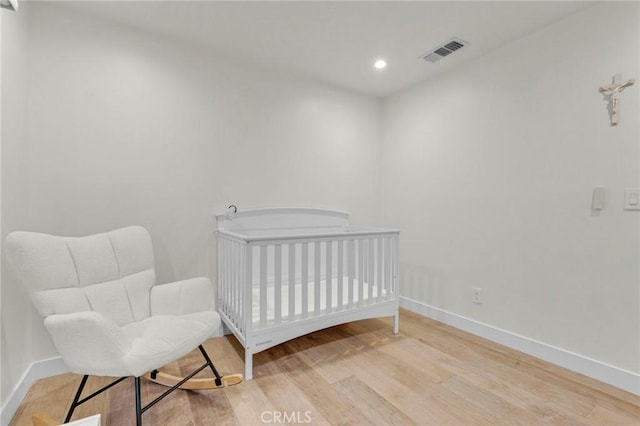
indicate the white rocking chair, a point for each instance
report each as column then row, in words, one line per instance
column 106, row 315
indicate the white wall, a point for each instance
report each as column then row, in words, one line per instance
column 1, row 340
column 14, row 322
column 129, row 128
column 489, row 174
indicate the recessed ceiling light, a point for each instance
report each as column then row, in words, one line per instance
column 380, row 64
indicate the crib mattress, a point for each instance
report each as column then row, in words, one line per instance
column 336, row 302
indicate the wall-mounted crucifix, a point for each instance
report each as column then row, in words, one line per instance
column 612, row 93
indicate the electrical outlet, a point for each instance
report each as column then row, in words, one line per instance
column 477, row 295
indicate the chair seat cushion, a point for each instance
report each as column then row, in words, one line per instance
column 159, row 340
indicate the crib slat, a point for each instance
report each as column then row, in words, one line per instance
column 221, row 270
column 304, row 267
column 277, row 284
column 379, row 278
column 226, row 262
column 239, row 285
column 263, row 286
column 370, row 275
column 388, row 268
column 230, row 294
column 247, row 289
column 361, row 269
column 228, row 276
column 396, row 267
column 316, row 279
column 329, row 275
column 221, row 283
column 351, row 268
column 228, row 287
column 340, row 275
column 292, row 282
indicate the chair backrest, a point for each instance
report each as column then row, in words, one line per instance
column 111, row 273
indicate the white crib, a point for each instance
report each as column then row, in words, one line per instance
column 286, row 272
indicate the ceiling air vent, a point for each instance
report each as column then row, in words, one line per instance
column 445, row 49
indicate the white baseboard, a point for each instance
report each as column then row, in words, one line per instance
column 36, row 371
column 598, row 370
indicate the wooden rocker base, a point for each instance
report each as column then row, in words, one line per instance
column 41, row 419
column 169, row 380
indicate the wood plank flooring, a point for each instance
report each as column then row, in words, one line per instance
column 358, row 374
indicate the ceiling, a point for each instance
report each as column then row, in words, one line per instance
column 337, row 42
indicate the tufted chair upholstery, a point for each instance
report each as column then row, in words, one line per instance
column 99, row 301
column 101, row 305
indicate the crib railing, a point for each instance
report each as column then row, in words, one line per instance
column 232, row 261
column 268, row 282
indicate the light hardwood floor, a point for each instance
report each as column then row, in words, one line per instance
column 360, row 373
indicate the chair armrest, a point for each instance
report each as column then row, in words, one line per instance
column 182, row 297
column 88, row 342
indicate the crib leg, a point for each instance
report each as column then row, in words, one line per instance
column 248, row 365
column 396, row 323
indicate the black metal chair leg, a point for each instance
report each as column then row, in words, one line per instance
column 74, row 404
column 215, row 372
column 139, row 409
column 138, row 403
